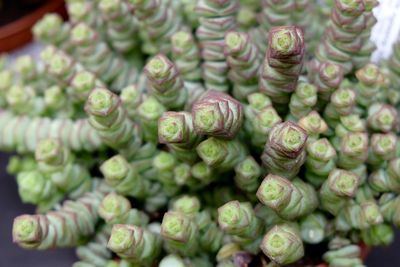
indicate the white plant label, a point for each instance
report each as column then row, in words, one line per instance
column 387, row 30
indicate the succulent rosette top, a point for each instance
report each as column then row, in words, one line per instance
column 205, row 133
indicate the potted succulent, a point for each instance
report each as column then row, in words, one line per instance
column 185, row 133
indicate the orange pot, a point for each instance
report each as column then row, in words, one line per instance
column 17, row 33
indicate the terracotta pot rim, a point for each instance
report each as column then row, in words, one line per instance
column 18, row 32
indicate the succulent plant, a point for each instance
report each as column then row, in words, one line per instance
column 225, row 133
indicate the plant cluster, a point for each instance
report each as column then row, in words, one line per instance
column 205, row 133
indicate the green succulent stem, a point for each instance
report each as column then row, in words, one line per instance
column 284, row 152
column 134, row 244
column 239, row 220
column 338, row 189
column 289, row 199
column 221, row 154
column 282, row 244
column 283, row 63
column 179, row 232
column 62, row 228
column 116, row 209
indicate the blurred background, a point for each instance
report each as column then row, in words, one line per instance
column 16, row 20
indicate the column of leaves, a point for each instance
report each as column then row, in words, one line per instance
column 343, row 253
column 283, row 63
column 57, row 163
column 85, row 12
column 363, row 56
column 186, row 55
column 158, row 21
column 284, row 152
column 110, row 120
column 126, row 178
column 135, row 244
column 289, row 199
column 30, row 73
column 62, row 228
column 342, row 103
column 210, row 236
column 359, row 216
column 121, row 26
column 279, row 13
column 216, row 18
column 303, row 100
column 238, row 219
column 244, row 62
column 342, row 37
column 176, row 130
column 95, row 253
column 393, row 65
column 22, row 134
column 260, row 117
column 283, row 244
column 320, row 161
column 165, row 82
column 97, row 57
column 116, row 209
column 326, row 76
column 52, row 31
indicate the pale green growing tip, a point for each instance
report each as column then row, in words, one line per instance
column 354, row 143
column 17, row 95
column 282, row 244
column 6, row 78
column 171, row 127
column 212, row 150
column 259, row 101
column 208, row 118
column 130, row 94
column 31, row 185
column 248, row 167
column 121, row 238
column 115, row 168
column 24, row 64
column 234, row 41
column 47, row 25
column 158, row 67
column 53, row 95
column 109, row 5
column 175, row 226
column 274, row 191
column 101, row 102
column 113, row 205
column 229, row 215
column 164, row 160
column 46, row 55
column 60, row 63
column 81, row 33
column 331, row 70
column 201, row 170
column 372, row 213
column 48, row 150
column 343, row 183
column 189, row 205
column 285, row 41
column 26, row 229
column 182, row 40
column 77, row 9
column 84, row 81
column 282, row 41
column 151, row 109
